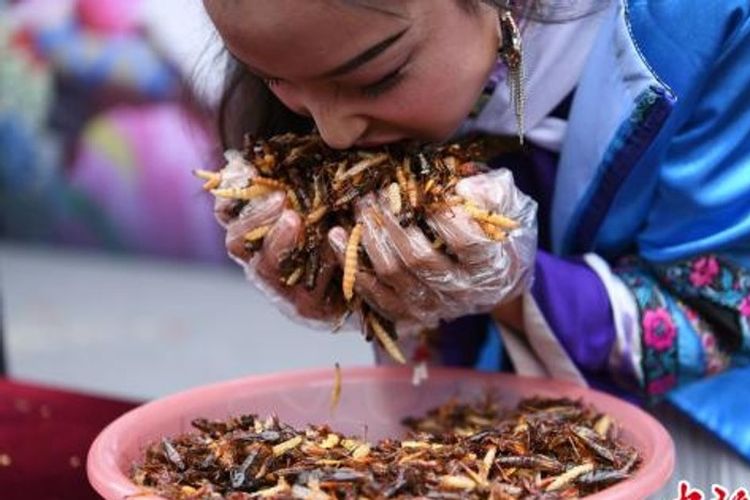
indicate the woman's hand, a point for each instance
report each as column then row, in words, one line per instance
column 282, row 229
column 414, row 282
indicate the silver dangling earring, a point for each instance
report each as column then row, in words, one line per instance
column 511, row 51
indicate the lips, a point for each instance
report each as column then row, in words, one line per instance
column 370, row 144
column 374, row 143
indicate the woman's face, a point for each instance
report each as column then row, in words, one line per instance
column 368, row 73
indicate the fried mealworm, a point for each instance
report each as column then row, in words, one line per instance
column 490, row 217
column 386, row 341
column 350, row 262
column 246, row 194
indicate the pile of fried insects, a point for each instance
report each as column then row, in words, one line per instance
column 323, row 184
column 543, row 448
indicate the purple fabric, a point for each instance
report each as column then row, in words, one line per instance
column 462, row 339
column 576, row 305
column 534, row 172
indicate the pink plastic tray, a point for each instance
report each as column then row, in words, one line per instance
column 372, row 400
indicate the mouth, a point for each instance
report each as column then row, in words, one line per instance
column 375, row 143
column 369, row 144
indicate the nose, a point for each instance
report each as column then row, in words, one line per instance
column 338, row 126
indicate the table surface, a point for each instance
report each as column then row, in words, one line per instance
column 141, row 328
column 45, row 434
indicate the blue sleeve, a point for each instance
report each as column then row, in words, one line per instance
column 702, row 202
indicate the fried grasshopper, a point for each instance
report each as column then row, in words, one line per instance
column 468, row 451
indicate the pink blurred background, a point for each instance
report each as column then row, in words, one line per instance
column 102, row 124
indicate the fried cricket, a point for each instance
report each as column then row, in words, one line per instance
column 468, row 451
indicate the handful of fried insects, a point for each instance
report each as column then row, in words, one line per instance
column 323, row 185
column 543, row 448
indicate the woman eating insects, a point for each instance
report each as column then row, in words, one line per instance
column 632, row 139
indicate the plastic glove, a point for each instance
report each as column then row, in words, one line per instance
column 414, row 284
column 263, row 268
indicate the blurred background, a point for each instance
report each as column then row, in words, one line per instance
column 113, row 274
column 114, row 284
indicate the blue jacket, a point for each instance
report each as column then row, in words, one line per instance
column 659, row 127
column 648, row 274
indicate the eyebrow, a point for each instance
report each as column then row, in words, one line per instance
column 365, row 57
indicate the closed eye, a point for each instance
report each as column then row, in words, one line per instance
column 271, row 82
column 388, row 82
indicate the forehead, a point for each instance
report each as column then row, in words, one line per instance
column 299, row 38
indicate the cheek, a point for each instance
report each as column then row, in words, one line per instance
column 453, row 66
column 445, row 103
column 433, row 106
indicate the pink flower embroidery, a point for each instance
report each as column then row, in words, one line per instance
column 662, row 385
column 715, row 365
column 709, row 341
column 658, row 329
column 745, row 306
column 704, row 271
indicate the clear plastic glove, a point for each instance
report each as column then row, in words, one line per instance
column 263, row 267
column 415, row 285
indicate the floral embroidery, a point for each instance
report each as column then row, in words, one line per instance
column 662, row 385
column 711, row 278
column 658, row 289
column 704, row 270
column 659, row 331
column 744, row 306
column 715, row 359
column 659, row 362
